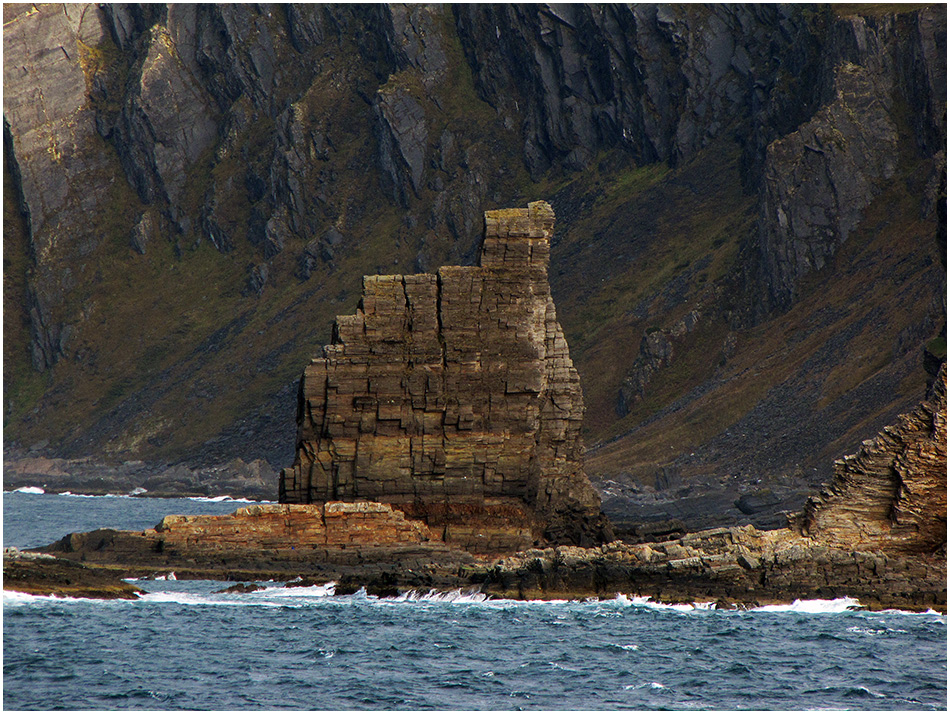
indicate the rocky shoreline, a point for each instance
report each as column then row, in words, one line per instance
column 877, row 533
column 43, row 574
column 438, row 447
column 731, row 567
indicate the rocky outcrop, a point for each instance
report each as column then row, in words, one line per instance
column 43, row 574
column 877, row 533
column 892, row 494
column 453, row 396
column 286, row 527
column 881, row 543
column 656, row 352
column 284, row 539
column 402, row 135
column 727, row 566
column 324, row 142
column 818, row 180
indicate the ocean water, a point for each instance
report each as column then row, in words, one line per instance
column 187, row 646
column 32, row 518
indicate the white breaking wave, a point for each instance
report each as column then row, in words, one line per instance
column 627, row 648
column 453, row 596
column 841, row 604
column 638, row 601
column 213, row 599
column 13, row 598
column 224, row 499
column 268, row 597
column 325, row 590
column 651, row 685
column 939, row 615
column 137, row 492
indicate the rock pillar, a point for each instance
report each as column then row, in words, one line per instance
column 453, row 397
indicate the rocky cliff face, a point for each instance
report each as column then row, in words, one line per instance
column 819, row 179
column 61, row 165
column 195, row 192
column 453, row 396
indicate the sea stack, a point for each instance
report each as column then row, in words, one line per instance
column 452, row 397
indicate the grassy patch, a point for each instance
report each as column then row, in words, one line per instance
column 627, row 184
column 669, row 245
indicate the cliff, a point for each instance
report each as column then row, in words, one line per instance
column 749, row 262
column 453, row 397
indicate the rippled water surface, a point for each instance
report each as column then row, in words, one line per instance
column 184, row 646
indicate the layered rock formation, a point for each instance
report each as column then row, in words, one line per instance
column 730, row 566
column 286, row 527
column 877, row 533
column 271, row 541
column 453, row 396
column 892, row 494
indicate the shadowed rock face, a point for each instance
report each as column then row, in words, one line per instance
column 453, row 396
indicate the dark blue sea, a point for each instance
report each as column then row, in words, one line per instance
column 185, row 646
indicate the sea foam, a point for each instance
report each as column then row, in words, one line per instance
column 453, row 596
column 648, row 602
column 841, row 604
column 17, row 599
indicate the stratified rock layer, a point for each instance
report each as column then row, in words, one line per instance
column 892, row 494
column 267, row 540
column 729, row 566
column 453, row 396
column 286, row 527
